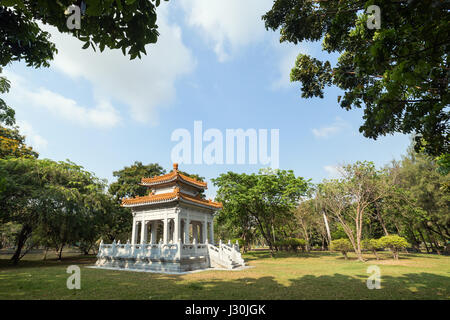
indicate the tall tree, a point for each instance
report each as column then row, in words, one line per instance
column 399, row 73
column 268, row 197
column 129, row 179
column 306, row 218
column 421, row 183
column 49, row 197
column 127, row 25
column 349, row 199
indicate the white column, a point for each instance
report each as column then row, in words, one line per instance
column 133, row 232
column 142, row 231
column 166, row 231
column 186, row 230
column 176, row 231
column 153, row 231
column 211, row 231
column 194, row 231
column 146, row 232
column 204, row 230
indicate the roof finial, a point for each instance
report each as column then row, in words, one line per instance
column 175, row 167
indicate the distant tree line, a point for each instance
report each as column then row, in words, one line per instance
column 52, row 205
column 408, row 198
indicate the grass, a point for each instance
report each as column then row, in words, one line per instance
column 317, row 275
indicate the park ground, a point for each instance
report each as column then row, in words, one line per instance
column 315, row 275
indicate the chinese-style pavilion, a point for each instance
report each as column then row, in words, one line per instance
column 172, row 231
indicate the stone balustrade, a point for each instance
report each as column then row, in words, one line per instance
column 168, row 257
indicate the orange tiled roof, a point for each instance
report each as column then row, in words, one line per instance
column 151, row 198
column 167, row 197
column 174, row 175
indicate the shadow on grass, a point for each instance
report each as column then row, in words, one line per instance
column 108, row 284
column 308, row 287
column 256, row 255
column 53, row 262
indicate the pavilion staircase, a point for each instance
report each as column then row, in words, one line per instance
column 225, row 256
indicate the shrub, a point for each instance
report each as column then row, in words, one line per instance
column 342, row 245
column 395, row 243
column 239, row 240
column 278, row 245
column 290, row 244
column 372, row 245
column 299, row 243
column 295, row 243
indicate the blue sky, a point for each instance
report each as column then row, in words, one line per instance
column 214, row 62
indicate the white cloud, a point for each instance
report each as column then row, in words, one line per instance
column 103, row 115
column 324, row 132
column 144, row 85
column 333, row 171
column 31, row 136
column 227, row 25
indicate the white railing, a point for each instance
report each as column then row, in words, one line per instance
column 224, row 254
column 139, row 251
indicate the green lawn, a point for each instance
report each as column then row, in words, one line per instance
column 317, row 275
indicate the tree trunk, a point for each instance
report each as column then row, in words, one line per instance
column 436, row 246
column 45, row 254
column 244, row 243
column 376, row 254
column 60, row 253
column 307, row 245
column 266, row 235
column 25, row 232
column 380, row 218
column 423, row 239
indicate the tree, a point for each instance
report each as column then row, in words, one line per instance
column 129, row 179
column 399, row 73
column 306, row 217
column 234, row 222
column 423, row 202
column 50, row 200
column 349, row 199
column 395, row 243
column 372, row 245
column 116, row 24
column 6, row 113
column 341, row 245
column 12, row 144
column 268, row 198
column 8, row 233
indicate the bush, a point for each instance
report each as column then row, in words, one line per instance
column 239, row 240
column 342, row 245
column 290, row 244
column 295, row 243
column 372, row 245
column 395, row 243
